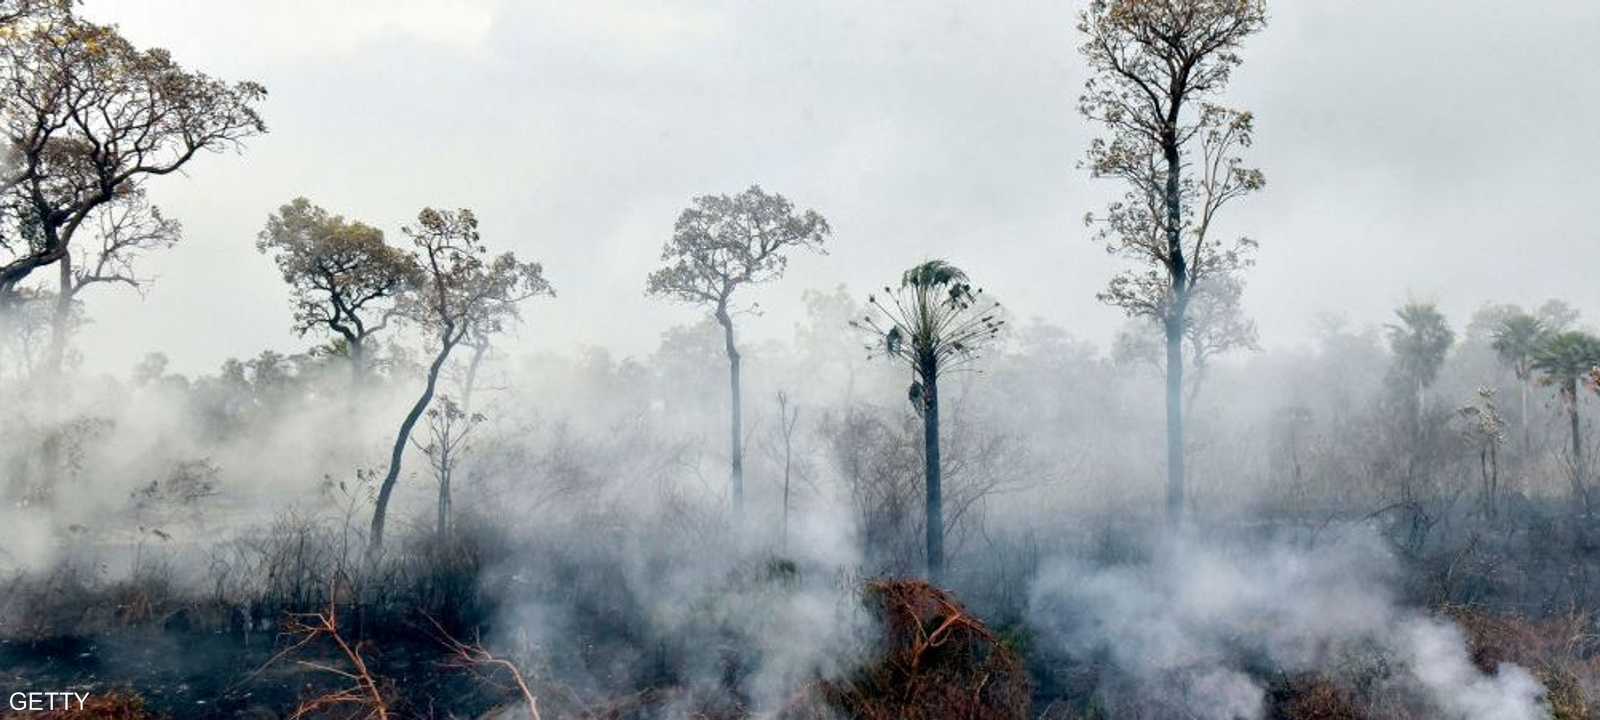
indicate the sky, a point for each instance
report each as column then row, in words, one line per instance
column 1441, row 150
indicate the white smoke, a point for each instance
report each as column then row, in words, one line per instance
column 1199, row 615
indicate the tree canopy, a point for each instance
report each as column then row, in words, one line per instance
column 343, row 277
column 88, row 118
column 722, row 242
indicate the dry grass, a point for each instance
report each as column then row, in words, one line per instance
column 1314, row 697
column 1562, row 651
column 939, row 661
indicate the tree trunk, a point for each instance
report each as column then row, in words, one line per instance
column 1527, row 442
column 442, row 524
column 358, row 361
column 61, row 319
column 1579, row 494
column 1175, row 480
column 1494, row 479
column 736, row 423
column 931, row 468
column 1178, row 268
column 381, row 507
column 788, row 455
column 470, row 382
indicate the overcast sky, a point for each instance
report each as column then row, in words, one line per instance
column 1439, row 149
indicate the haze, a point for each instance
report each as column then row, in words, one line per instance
column 1439, row 150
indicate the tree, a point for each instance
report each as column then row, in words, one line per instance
column 1153, row 65
column 88, row 119
column 1419, row 342
column 449, row 426
column 935, row 322
column 126, row 229
column 343, row 277
column 1215, row 325
column 25, row 332
column 1558, row 315
column 1565, row 360
column 788, row 422
column 463, row 291
column 1486, row 430
column 1516, row 339
column 723, row 243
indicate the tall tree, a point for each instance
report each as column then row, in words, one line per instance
column 463, row 291
column 1566, row 360
column 935, row 322
column 1516, row 339
column 1154, row 64
column 723, row 243
column 1419, row 342
column 343, row 277
column 88, row 119
column 1215, row 325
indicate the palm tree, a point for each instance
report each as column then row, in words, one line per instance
column 1420, row 341
column 1516, row 339
column 934, row 322
column 1565, row 360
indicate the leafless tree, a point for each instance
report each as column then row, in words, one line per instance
column 449, row 427
column 783, row 449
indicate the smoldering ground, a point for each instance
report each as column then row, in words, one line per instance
column 594, row 544
column 1199, row 626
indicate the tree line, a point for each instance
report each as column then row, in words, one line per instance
column 92, row 120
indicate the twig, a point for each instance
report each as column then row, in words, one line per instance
column 477, row 656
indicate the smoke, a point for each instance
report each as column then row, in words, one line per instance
column 1200, row 619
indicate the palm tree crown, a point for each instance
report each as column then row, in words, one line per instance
column 1517, row 339
column 1565, row 359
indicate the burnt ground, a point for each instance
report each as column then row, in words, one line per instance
column 206, row 675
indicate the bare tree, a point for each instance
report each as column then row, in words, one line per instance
column 1153, row 63
column 788, row 422
column 124, row 230
column 463, row 292
column 935, row 322
column 127, row 228
column 449, row 427
column 718, row 245
column 88, row 119
column 343, row 277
